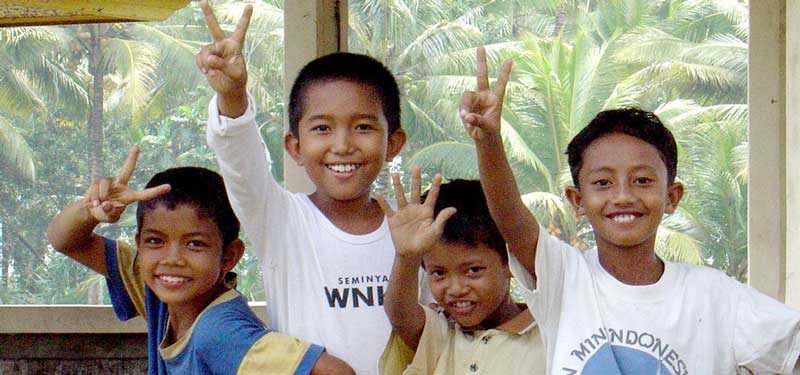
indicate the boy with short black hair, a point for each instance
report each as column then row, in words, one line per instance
column 619, row 308
column 179, row 276
column 325, row 257
column 478, row 327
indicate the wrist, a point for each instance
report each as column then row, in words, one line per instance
column 232, row 104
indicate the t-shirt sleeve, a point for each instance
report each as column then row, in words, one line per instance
column 767, row 332
column 544, row 294
column 431, row 343
column 125, row 286
column 245, row 165
column 396, row 357
column 277, row 353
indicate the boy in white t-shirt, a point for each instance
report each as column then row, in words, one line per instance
column 325, row 257
column 619, row 308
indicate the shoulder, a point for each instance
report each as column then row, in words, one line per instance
column 228, row 321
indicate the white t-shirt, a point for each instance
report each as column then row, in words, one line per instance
column 694, row 320
column 322, row 284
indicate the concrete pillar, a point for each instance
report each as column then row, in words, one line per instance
column 312, row 28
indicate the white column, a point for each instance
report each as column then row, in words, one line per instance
column 770, row 210
column 312, row 28
column 793, row 153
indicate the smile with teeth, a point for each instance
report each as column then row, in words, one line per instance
column 461, row 305
column 342, row 168
column 173, row 279
column 623, row 218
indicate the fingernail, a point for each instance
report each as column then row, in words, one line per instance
column 95, row 202
column 462, row 112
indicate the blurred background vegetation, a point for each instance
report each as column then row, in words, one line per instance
column 73, row 99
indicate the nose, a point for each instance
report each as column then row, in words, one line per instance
column 173, row 256
column 457, row 286
column 342, row 142
column 624, row 194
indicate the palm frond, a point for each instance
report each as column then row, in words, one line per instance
column 16, row 155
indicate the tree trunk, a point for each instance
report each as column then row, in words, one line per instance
column 97, row 71
column 96, row 137
column 561, row 19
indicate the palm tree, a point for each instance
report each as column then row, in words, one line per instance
column 562, row 80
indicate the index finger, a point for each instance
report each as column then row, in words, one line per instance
column 211, row 22
column 482, row 72
column 244, row 23
column 127, row 168
column 146, row 194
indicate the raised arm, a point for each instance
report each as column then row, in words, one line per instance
column 481, row 112
column 72, row 231
column 414, row 232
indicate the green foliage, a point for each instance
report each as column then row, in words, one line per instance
column 686, row 60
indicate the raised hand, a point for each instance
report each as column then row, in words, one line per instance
column 106, row 198
column 481, row 110
column 221, row 61
column 413, row 226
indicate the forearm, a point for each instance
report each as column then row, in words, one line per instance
column 245, row 166
column 72, row 229
column 517, row 225
column 72, row 233
column 405, row 314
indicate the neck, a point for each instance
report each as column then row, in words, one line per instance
column 182, row 316
column 358, row 216
column 506, row 311
column 635, row 265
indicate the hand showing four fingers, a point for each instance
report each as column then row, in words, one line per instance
column 414, row 228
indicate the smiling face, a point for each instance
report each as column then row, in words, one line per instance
column 470, row 282
column 624, row 191
column 180, row 256
column 342, row 139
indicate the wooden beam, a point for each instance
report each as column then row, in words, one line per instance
column 52, row 12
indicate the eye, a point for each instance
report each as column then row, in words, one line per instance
column 475, row 270
column 196, row 245
column 365, row 127
column 602, row 182
column 436, row 274
column 642, row 180
column 320, row 128
column 153, row 241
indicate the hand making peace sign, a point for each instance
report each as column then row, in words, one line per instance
column 106, row 198
column 481, row 110
column 221, row 61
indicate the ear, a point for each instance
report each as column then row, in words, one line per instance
column 292, row 146
column 674, row 195
column 231, row 255
column 396, row 142
column 575, row 198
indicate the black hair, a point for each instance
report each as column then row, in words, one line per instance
column 634, row 122
column 472, row 224
column 351, row 67
column 201, row 188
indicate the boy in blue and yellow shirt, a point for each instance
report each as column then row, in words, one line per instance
column 179, row 278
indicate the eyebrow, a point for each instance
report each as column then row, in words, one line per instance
column 360, row 116
column 635, row 168
column 192, row 234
